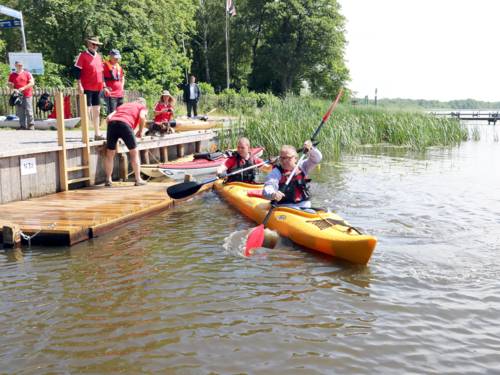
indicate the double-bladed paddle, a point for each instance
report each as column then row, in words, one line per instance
column 256, row 237
column 185, row 189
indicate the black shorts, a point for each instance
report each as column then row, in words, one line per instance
column 116, row 130
column 93, row 98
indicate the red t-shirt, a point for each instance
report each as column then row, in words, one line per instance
column 230, row 163
column 164, row 116
column 20, row 80
column 129, row 113
column 113, row 75
column 91, row 71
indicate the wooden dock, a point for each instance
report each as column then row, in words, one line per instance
column 490, row 116
column 73, row 216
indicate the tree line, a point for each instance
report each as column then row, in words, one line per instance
column 278, row 46
column 436, row 104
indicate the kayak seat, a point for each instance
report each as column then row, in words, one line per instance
column 208, row 155
column 254, row 193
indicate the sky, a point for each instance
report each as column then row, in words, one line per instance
column 424, row 49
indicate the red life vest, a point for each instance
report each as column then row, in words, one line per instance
column 298, row 188
column 113, row 75
column 239, row 163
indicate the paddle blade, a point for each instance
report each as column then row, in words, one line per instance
column 183, row 190
column 255, row 239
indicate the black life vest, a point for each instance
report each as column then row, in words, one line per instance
column 245, row 176
column 298, row 188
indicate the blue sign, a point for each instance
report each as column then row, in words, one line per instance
column 7, row 24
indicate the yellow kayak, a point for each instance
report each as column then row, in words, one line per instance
column 322, row 231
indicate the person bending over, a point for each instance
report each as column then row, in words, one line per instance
column 121, row 124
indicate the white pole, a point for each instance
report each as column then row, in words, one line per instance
column 227, row 47
column 22, row 33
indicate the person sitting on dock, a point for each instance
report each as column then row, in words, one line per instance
column 240, row 160
column 296, row 194
column 164, row 113
column 121, row 124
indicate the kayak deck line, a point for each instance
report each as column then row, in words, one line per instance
column 73, row 216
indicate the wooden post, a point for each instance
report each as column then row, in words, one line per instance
column 197, row 146
column 84, row 125
column 188, row 177
column 123, row 166
column 164, row 154
column 11, row 236
column 61, row 141
column 180, row 151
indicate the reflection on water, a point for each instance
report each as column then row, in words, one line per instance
column 173, row 294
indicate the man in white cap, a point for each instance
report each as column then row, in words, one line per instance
column 21, row 83
column 114, row 81
column 90, row 80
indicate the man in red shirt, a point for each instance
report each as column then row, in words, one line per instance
column 21, row 82
column 121, row 124
column 89, row 71
column 114, row 81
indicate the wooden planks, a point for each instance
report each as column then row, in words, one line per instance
column 76, row 215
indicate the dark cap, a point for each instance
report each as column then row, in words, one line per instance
column 115, row 53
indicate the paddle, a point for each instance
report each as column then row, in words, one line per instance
column 256, row 237
column 185, row 189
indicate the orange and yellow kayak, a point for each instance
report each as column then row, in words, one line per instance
column 322, row 231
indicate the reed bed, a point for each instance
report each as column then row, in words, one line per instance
column 293, row 120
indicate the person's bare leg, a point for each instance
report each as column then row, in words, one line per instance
column 108, row 164
column 95, row 112
column 136, row 165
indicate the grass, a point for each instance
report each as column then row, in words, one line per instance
column 293, row 120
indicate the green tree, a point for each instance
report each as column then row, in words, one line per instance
column 146, row 32
column 303, row 40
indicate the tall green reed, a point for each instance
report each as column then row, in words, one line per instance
column 294, row 119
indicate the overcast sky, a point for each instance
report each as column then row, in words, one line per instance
column 424, row 49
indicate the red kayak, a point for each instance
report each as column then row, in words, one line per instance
column 202, row 164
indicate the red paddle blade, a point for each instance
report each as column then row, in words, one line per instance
column 255, row 239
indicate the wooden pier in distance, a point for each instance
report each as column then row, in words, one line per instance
column 491, row 116
column 72, row 216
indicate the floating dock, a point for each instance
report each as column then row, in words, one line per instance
column 72, row 216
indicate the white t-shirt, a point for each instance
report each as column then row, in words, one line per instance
column 192, row 92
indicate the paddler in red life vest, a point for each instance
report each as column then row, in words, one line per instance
column 242, row 159
column 296, row 194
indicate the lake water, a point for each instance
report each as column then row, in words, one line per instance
column 171, row 293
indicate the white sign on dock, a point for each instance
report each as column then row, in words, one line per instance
column 33, row 62
column 28, row 166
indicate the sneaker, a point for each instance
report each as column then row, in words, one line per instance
column 141, row 183
column 108, row 183
column 31, row 127
column 99, row 138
